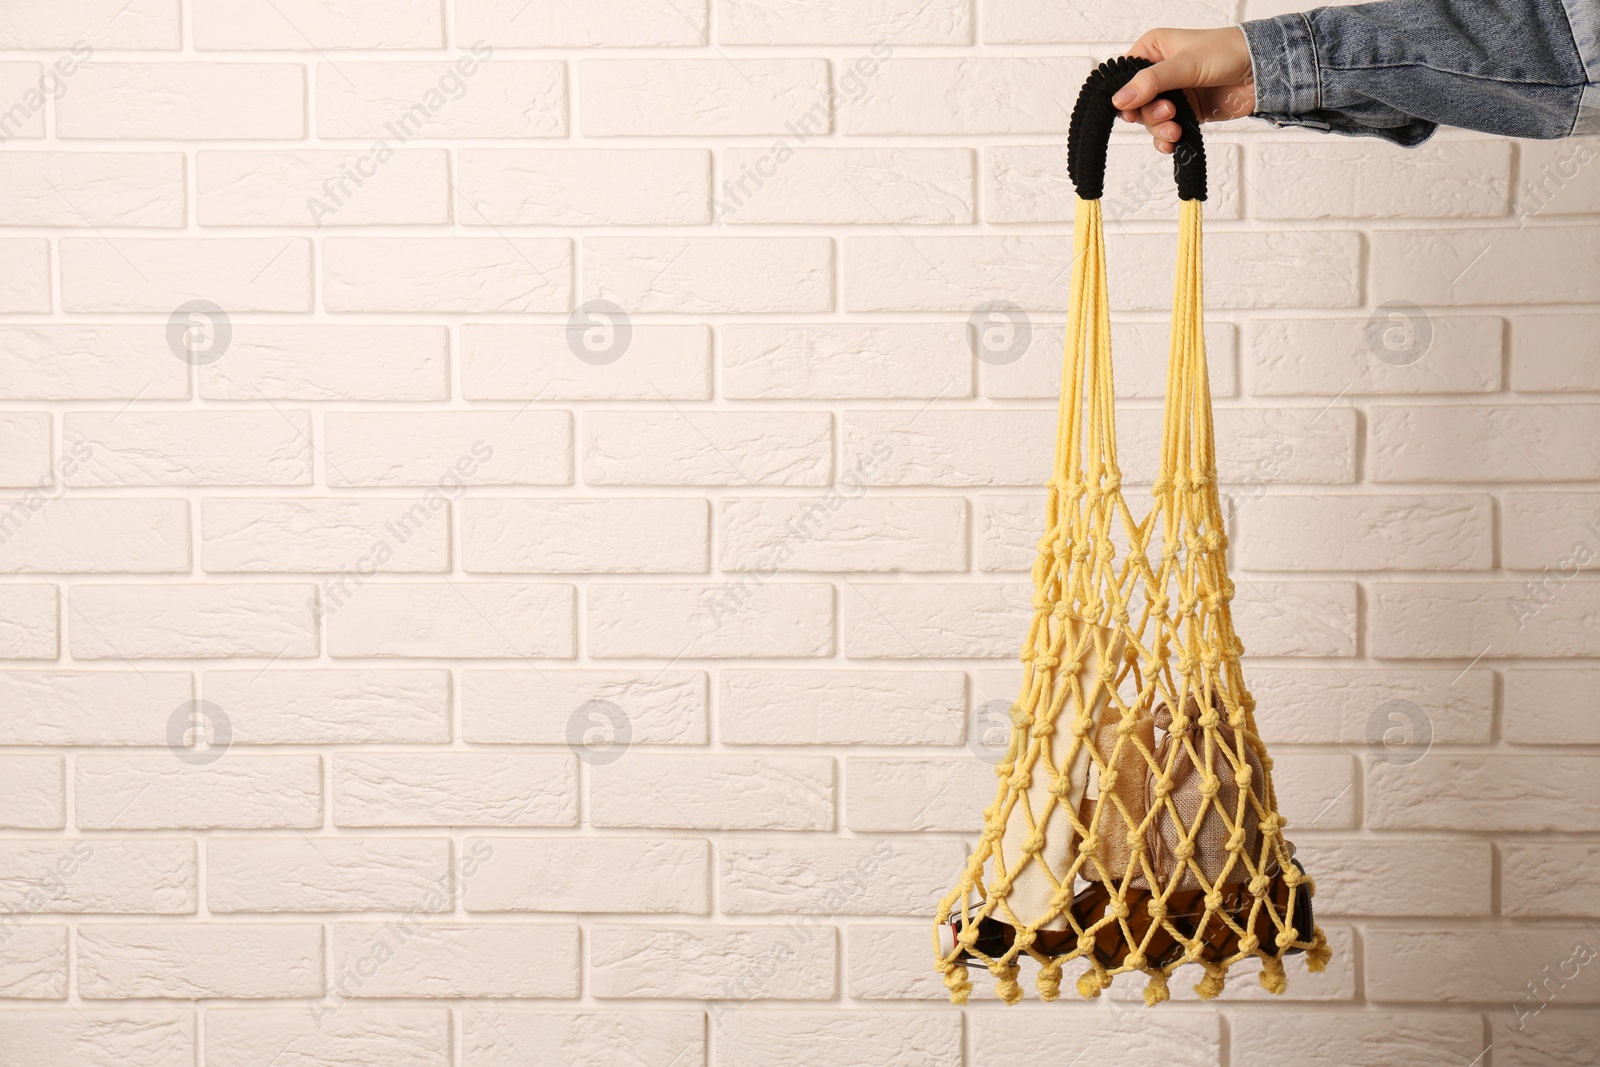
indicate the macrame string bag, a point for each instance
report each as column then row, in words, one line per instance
column 1135, row 821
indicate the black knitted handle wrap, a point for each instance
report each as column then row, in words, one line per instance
column 1093, row 116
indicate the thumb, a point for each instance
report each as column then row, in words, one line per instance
column 1179, row 72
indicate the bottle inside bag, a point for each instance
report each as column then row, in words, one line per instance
column 1036, row 879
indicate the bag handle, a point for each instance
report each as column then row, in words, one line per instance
column 1090, row 132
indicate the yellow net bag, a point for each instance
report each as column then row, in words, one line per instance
column 1135, row 826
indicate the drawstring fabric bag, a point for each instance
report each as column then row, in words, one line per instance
column 1135, row 826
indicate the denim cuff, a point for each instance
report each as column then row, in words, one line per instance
column 1283, row 63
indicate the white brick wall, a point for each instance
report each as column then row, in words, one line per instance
column 540, row 614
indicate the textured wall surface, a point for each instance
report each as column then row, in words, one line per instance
column 511, row 542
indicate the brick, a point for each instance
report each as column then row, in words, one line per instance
column 449, row 449
column 456, row 960
column 1316, row 791
column 889, row 22
column 503, row 23
column 1549, row 707
column 34, row 966
column 1043, row 22
column 1336, row 356
column 963, row 96
column 827, row 707
column 25, row 274
column 1142, row 351
column 192, row 620
column 76, row 189
column 1407, row 964
column 713, row 792
column 48, row 362
column 309, row 707
column 186, row 962
column 29, row 622
column 1552, row 532
column 98, row 875
column 1416, row 877
column 189, row 447
column 720, row 962
column 935, row 620
column 23, row 86
column 1029, row 183
column 891, row 963
column 1346, row 705
column 1542, row 881
column 94, row 536
column 1371, row 532
column 242, row 25
column 583, row 186
column 1411, row 620
column 338, row 874
column 495, row 1037
column 447, row 274
column 1382, row 1039
column 1554, row 353
column 399, row 1037
column 791, row 1038
column 711, row 621
column 455, row 790
column 1178, row 1039
column 844, row 185
column 102, row 24
column 591, row 875
column 522, row 707
column 698, row 447
column 897, row 795
column 1521, row 265
column 1501, row 443
column 163, row 793
column 1557, row 1039
column 1261, row 270
column 699, row 275
column 90, row 707
column 842, row 531
column 1298, row 618
column 472, row 96
column 328, row 188
column 1370, row 179
column 25, row 459
column 631, row 535
column 849, row 877
column 504, row 361
column 162, row 274
column 1487, row 793
column 318, row 362
column 136, row 1037
column 36, row 792
column 950, row 448
column 185, row 102
column 831, row 361
column 495, row 620
column 1555, row 179
column 704, row 97
column 1006, row 532
column 366, row 535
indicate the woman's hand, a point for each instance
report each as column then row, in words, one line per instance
column 1212, row 67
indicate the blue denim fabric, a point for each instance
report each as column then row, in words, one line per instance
column 1400, row 69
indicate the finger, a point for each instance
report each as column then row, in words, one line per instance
column 1169, row 132
column 1159, row 111
column 1176, row 73
column 1164, row 147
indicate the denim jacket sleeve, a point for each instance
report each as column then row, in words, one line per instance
column 1399, row 69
